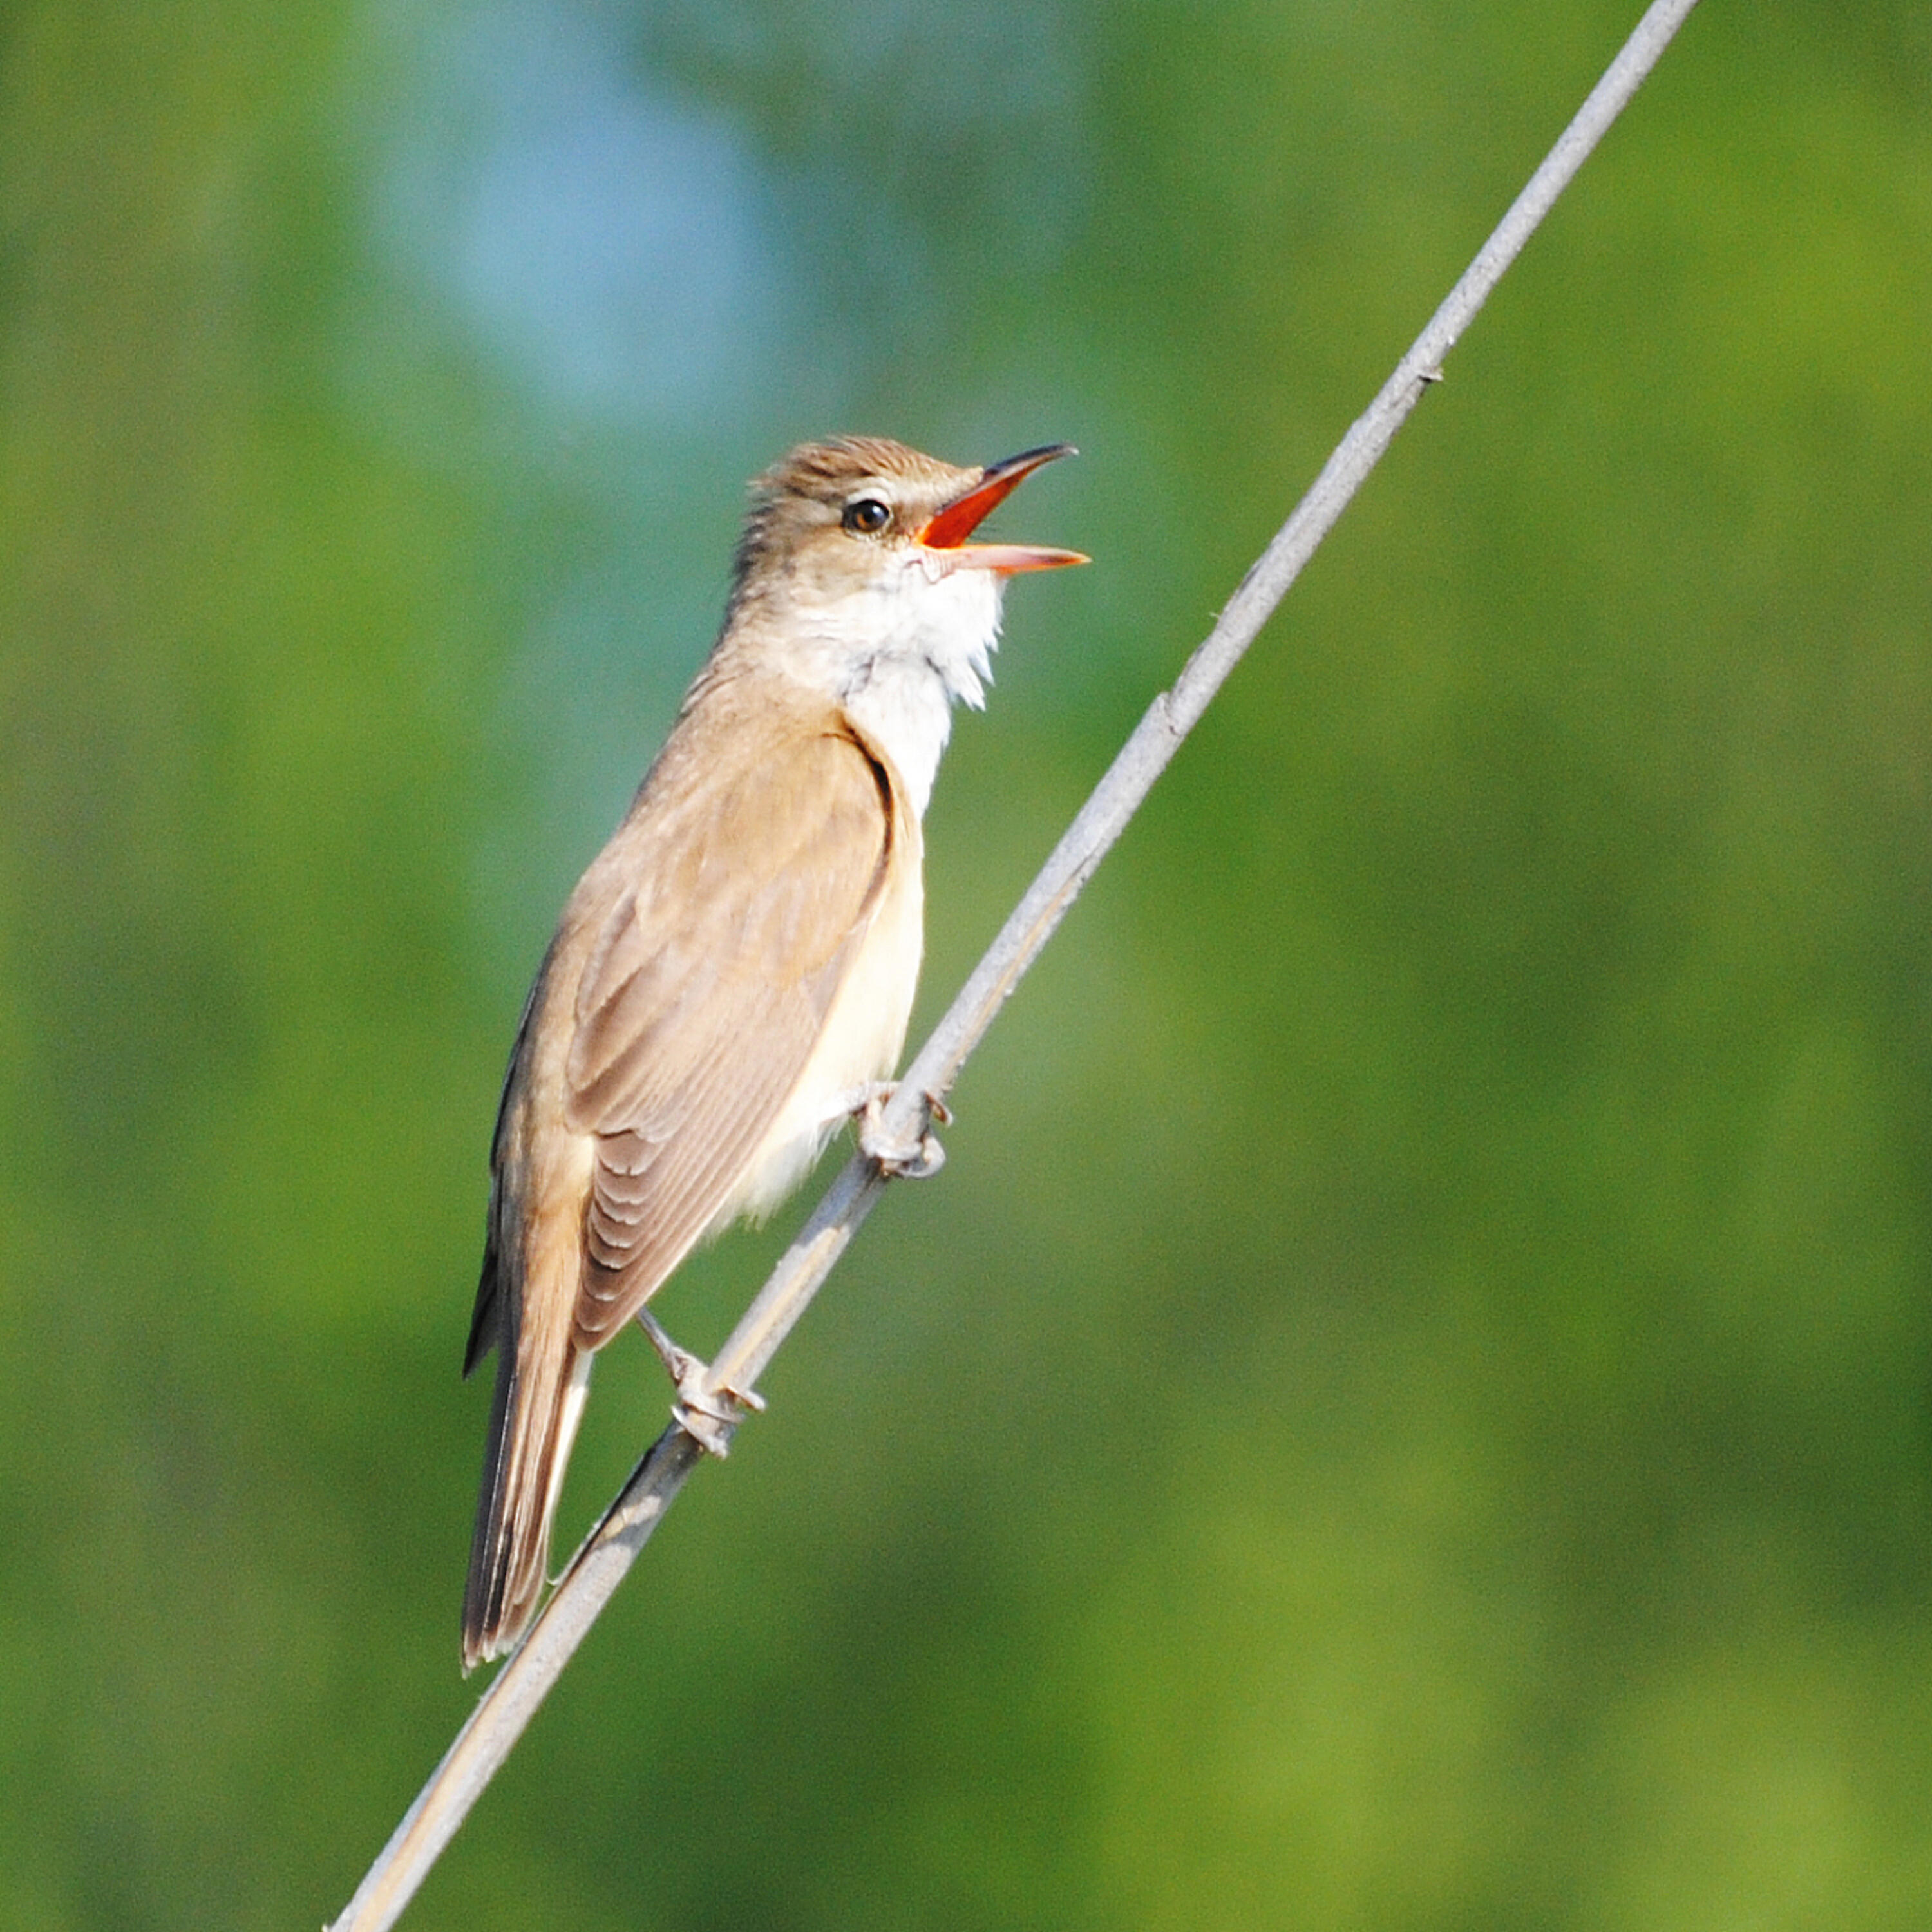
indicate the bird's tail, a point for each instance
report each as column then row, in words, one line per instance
column 541, row 1381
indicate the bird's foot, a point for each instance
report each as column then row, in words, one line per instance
column 708, row 1416
column 917, row 1155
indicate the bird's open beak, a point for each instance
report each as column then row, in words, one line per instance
column 947, row 531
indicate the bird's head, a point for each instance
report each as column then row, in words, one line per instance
column 856, row 550
column 856, row 511
column 855, row 579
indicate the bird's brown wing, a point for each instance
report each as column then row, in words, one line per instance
column 694, row 1024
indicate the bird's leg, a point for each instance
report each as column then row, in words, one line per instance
column 915, row 1156
column 706, row 1415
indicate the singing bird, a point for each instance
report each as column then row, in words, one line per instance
column 735, row 970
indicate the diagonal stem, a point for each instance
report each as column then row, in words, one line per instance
column 608, row 1552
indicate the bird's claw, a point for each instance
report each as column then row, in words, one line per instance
column 708, row 1416
column 915, row 1156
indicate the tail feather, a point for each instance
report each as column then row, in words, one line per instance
column 541, row 1381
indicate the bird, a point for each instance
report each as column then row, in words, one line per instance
column 731, row 979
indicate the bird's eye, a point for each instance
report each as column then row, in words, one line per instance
column 867, row 516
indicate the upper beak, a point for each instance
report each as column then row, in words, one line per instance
column 948, row 530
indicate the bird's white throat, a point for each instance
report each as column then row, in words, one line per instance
column 898, row 652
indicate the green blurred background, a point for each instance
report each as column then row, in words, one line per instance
column 1409, row 1407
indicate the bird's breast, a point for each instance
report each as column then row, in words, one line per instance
column 863, row 1034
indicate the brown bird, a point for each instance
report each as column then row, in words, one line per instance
column 734, row 972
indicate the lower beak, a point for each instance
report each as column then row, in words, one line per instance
column 947, row 531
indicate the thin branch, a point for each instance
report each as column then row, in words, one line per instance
column 608, row 1552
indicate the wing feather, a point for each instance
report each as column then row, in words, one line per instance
column 704, row 995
